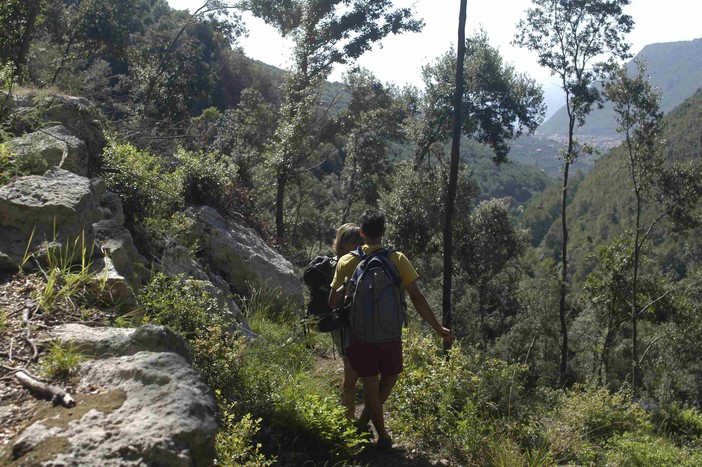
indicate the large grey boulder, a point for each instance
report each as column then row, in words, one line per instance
column 77, row 114
column 48, row 147
column 140, row 404
column 57, row 207
column 176, row 259
column 146, row 409
column 118, row 342
column 241, row 256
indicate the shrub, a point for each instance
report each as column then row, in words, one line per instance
column 187, row 307
column 452, row 404
column 585, row 419
column 683, row 425
column 235, row 443
column 145, row 185
column 644, row 450
column 208, row 179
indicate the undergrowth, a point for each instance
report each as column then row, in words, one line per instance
column 462, row 406
column 268, row 394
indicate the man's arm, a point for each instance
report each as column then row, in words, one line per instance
column 333, row 298
column 424, row 310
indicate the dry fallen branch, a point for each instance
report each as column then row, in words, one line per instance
column 45, row 389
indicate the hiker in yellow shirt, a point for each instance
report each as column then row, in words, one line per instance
column 379, row 364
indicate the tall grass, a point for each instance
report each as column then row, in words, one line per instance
column 67, row 272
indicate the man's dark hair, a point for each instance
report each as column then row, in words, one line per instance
column 373, row 223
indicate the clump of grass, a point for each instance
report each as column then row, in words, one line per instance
column 61, row 360
column 69, row 279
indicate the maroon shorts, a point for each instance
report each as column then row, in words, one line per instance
column 370, row 359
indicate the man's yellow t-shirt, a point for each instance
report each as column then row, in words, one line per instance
column 347, row 264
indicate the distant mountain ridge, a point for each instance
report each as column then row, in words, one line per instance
column 674, row 67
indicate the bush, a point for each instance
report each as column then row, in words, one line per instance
column 187, row 307
column 636, row 450
column 208, row 179
column 585, row 419
column 452, row 404
column 683, row 425
column 145, row 185
column 235, row 444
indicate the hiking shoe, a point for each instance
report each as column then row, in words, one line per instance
column 384, row 443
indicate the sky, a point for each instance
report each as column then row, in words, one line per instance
column 401, row 57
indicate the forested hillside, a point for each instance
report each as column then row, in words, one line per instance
column 674, row 67
column 595, row 363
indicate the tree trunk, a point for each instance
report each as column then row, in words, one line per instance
column 33, row 14
column 635, row 383
column 453, row 174
column 564, row 279
column 279, row 208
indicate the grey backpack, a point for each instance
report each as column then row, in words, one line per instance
column 377, row 310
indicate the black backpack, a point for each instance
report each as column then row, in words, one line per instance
column 317, row 276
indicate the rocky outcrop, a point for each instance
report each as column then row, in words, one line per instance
column 176, row 259
column 57, row 207
column 76, row 114
column 241, row 256
column 49, row 147
column 140, row 404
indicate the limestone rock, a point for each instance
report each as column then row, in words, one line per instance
column 49, row 147
column 58, row 206
column 77, row 114
column 242, row 257
column 152, row 409
column 176, row 259
column 115, row 241
column 118, row 342
column 111, row 207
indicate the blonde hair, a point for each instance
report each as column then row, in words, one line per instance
column 348, row 237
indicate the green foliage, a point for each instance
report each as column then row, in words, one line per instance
column 70, row 282
column 583, row 422
column 636, row 450
column 684, row 425
column 6, row 76
column 452, row 404
column 143, row 181
column 235, row 443
column 188, row 308
column 489, row 84
column 6, row 165
column 208, row 179
column 61, row 360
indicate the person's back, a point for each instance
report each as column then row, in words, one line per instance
column 379, row 364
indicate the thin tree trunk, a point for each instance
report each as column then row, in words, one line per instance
column 635, row 383
column 23, row 52
column 453, row 174
column 279, row 208
column 352, row 184
column 564, row 279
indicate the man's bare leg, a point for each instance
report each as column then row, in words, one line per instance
column 348, row 390
column 376, row 391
